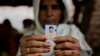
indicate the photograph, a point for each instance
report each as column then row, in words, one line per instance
column 50, row 31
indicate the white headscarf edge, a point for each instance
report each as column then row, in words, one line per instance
column 69, row 10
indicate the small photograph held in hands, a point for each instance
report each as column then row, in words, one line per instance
column 50, row 31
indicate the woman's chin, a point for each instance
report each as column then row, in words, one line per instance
column 51, row 24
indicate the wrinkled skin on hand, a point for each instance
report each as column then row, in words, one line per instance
column 35, row 43
column 65, row 45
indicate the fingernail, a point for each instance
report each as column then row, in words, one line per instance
column 47, row 50
column 40, row 54
column 46, row 37
column 48, row 44
column 54, row 39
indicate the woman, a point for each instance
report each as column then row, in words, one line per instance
column 69, row 40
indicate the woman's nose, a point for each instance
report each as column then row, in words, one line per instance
column 49, row 12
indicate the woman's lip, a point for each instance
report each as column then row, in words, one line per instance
column 50, row 22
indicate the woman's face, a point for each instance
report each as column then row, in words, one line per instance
column 50, row 12
column 51, row 30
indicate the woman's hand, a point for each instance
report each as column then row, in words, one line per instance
column 33, row 44
column 66, row 46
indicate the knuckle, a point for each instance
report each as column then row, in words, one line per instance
column 78, row 47
column 32, row 42
column 77, row 52
column 64, row 52
column 32, row 50
column 22, row 39
column 65, row 44
column 22, row 45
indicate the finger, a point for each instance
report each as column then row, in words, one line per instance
column 23, row 43
column 34, row 37
column 23, row 39
column 60, row 39
column 67, row 46
column 76, row 52
column 63, row 53
column 34, row 50
column 67, row 53
column 34, row 43
column 23, row 51
column 38, row 50
column 37, row 37
column 36, row 54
